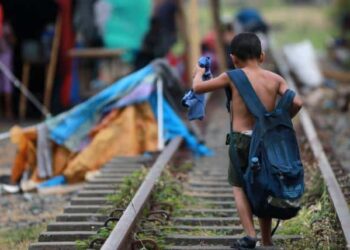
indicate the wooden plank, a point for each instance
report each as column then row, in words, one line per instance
column 182, row 25
column 193, row 35
column 339, row 75
column 219, row 43
column 340, row 205
column 62, row 189
column 95, row 53
column 50, row 76
column 25, row 81
column 120, row 234
column 211, row 240
column 207, row 247
column 74, row 226
column 63, row 245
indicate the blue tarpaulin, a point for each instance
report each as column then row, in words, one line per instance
column 71, row 128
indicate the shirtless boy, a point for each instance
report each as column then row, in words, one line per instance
column 246, row 54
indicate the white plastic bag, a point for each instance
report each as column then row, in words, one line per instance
column 302, row 60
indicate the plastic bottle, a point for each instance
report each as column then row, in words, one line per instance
column 255, row 163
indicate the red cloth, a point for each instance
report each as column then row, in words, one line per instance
column 209, row 40
column 66, row 43
column 1, row 19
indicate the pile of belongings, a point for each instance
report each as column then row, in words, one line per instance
column 121, row 120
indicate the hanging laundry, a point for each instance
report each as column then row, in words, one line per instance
column 127, row 25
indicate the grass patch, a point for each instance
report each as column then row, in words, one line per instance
column 317, row 222
column 301, row 22
column 21, row 238
column 182, row 168
column 290, row 23
column 127, row 189
column 168, row 189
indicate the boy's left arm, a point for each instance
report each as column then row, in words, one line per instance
column 200, row 86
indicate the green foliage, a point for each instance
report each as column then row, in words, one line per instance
column 290, row 23
column 20, row 238
column 103, row 233
column 127, row 189
column 184, row 167
column 169, row 190
column 317, row 222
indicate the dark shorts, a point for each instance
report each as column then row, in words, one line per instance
column 242, row 143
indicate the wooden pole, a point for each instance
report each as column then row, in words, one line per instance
column 50, row 76
column 25, row 81
column 193, row 35
column 219, row 44
column 182, row 26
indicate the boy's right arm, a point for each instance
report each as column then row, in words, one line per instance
column 200, row 86
column 297, row 102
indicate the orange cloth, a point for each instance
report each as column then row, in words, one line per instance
column 26, row 153
column 25, row 158
column 125, row 132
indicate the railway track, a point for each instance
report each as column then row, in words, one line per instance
column 86, row 212
column 214, row 224
column 334, row 175
column 340, row 173
column 210, row 223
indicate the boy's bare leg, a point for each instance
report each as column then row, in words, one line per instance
column 244, row 211
column 265, row 226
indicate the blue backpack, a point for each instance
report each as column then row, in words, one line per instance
column 274, row 179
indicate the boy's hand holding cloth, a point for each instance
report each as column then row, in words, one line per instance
column 196, row 102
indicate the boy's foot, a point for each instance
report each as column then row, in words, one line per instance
column 246, row 242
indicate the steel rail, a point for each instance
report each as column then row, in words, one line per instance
column 339, row 202
column 118, row 238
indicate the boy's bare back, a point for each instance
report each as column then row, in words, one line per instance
column 267, row 86
column 246, row 54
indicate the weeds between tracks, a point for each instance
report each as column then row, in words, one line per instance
column 317, row 221
column 168, row 190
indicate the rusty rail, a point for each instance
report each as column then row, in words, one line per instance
column 121, row 232
column 339, row 202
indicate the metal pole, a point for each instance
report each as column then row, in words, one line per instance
column 24, row 90
column 160, row 113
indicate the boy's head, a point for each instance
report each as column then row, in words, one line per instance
column 246, row 47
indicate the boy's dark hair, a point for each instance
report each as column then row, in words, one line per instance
column 246, row 46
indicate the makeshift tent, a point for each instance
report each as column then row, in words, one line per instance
column 119, row 121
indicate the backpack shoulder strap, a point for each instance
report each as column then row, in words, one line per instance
column 286, row 100
column 246, row 91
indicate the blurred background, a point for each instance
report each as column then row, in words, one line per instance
column 66, row 51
